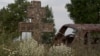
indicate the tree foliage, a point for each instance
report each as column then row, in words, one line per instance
column 10, row 16
column 49, row 15
column 84, row 11
column 48, row 36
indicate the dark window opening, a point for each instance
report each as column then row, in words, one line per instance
column 86, row 39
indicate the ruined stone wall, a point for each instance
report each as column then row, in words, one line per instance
column 48, row 27
column 36, row 13
column 26, row 27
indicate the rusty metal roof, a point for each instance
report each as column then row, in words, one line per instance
column 87, row 27
column 79, row 27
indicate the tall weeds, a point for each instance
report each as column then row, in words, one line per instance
column 31, row 48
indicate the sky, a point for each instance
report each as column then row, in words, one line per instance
column 61, row 15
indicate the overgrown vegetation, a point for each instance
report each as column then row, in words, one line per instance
column 30, row 47
column 10, row 16
column 35, row 49
column 16, row 12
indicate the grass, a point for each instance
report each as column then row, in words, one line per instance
column 31, row 48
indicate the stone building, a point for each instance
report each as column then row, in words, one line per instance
column 35, row 24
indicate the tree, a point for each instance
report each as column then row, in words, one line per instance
column 47, row 37
column 84, row 11
column 10, row 16
column 49, row 15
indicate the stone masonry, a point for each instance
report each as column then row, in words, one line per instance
column 35, row 24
